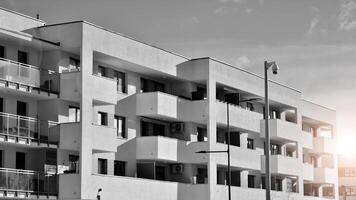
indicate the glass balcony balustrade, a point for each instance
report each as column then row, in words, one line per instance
column 21, row 129
column 24, row 74
column 26, row 181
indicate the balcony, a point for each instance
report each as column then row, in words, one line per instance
column 104, row 138
column 27, row 130
column 308, row 172
column 69, row 134
column 28, row 78
column 240, row 157
column 283, row 165
column 324, row 145
column 239, row 117
column 280, row 130
column 103, row 90
column 166, row 106
column 307, row 140
column 169, row 149
column 16, row 183
column 325, row 175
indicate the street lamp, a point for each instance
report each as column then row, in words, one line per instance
column 275, row 68
column 225, row 151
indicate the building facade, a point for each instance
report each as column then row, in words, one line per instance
column 86, row 111
column 347, row 177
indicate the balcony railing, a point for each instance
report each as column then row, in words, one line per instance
column 22, row 129
column 14, row 182
column 18, row 73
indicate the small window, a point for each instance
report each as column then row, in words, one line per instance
column 119, row 124
column 22, row 57
column 102, row 166
column 2, row 52
column 101, row 71
column 102, row 118
column 74, row 114
column 73, row 163
column 119, row 168
column 250, row 143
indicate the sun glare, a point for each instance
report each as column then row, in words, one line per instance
column 346, row 144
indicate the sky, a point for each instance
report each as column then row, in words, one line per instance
column 313, row 41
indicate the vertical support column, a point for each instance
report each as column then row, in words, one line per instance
column 244, row 178
column 243, row 140
column 320, row 191
column 86, row 56
column 211, row 131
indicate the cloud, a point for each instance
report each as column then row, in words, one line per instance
column 233, row 1
column 243, row 61
column 195, row 20
column 313, row 23
column 221, row 10
column 347, row 15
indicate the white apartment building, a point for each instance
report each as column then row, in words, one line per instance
column 85, row 109
column 347, row 177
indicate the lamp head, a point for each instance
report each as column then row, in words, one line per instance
column 275, row 68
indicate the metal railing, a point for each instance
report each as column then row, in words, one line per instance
column 28, row 181
column 16, row 128
column 19, row 73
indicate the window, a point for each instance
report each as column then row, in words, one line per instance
column 22, row 57
column 275, row 149
column 151, row 86
column 21, row 108
column 74, row 64
column 102, row 166
column 249, row 106
column 101, row 71
column 73, row 163
column 160, row 173
column 2, row 52
column 20, row 160
column 119, row 124
column 250, row 143
column 121, row 82
column 102, row 118
column 350, row 172
column 119, row 168
column 251, row 181
column 74, row 114
column 201, row 134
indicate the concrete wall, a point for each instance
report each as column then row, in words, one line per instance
column 17, row 21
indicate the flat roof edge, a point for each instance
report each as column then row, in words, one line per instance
column 246, row 71
column 311, row 102
column 21, row 14
column 117, row 33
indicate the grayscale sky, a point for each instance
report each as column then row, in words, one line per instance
column 313, row 41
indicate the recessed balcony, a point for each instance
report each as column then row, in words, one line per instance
column 27, row 130
column 280, row 130
column 323, row 145
column 325, row 175
column 166, row 106
column 283, row 165
column 16, row 183
column 169, row 149
column 239, row 117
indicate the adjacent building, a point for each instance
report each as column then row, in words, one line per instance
column 86, row 111
column 347, row 177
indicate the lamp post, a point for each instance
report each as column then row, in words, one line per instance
column 275, row 69
column 225, row 151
